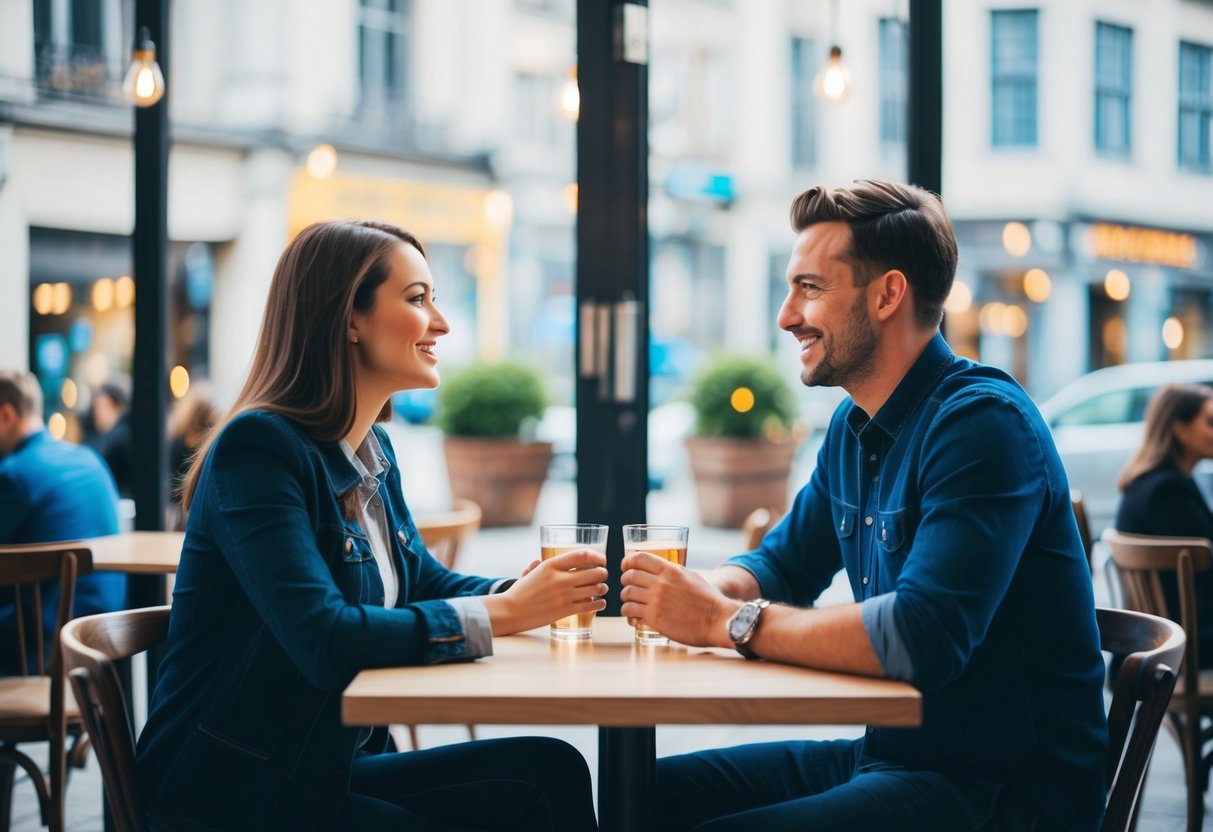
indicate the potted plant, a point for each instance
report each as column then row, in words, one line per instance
column 485, row 410
column 741, row 453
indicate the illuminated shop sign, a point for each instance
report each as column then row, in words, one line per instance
column 1134, row 244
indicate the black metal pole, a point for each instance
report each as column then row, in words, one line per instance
column 924, row 136
column 612, row 270
column 627, row 773
column 150, row 256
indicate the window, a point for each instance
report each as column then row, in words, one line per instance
column 383, row 31
column 804, row 103
column 81, row 46
column 1195, row 105
column 535, row 109
column 1013, row 69
column 893, row 76
column 1113, row 87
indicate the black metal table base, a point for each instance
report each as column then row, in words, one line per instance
column 627, row 773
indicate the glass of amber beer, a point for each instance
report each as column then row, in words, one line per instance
column 668, row 542
column 556, row 540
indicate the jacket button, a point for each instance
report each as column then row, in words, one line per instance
column 865, row 580
column 349, row 545
column 402, row 537
column 867, row 521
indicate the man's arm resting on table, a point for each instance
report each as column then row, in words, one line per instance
column 827, row 638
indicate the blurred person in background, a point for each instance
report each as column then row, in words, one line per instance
column 110, row 412
column 302, row 566
column 1160, row 497
column 191, row 419
column 50, row 490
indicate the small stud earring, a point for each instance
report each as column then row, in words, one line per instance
column 355, row 339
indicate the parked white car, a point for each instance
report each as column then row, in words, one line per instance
column 1097, row 422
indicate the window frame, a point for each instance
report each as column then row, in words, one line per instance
column 1014, row 79
column 1113, row 89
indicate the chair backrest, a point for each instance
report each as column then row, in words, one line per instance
column 757, row 524
column 1084, row 526
column 443, row 533
column 24, row 568
column 91, row 645
column 1152, row 648
column 1141, row 560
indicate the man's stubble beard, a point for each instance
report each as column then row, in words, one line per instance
column 849, row 358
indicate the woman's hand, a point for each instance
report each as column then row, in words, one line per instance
column 567, row 584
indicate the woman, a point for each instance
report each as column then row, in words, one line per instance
column 302, row 566
column 1160, row 497
column 192, row 416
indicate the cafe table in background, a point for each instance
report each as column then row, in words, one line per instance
column 627, row 690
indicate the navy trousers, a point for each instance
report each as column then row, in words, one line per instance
column 823, row 786
column 530, row 784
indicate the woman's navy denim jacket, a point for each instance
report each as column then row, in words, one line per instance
column 277, row 605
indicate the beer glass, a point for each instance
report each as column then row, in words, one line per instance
column 558, row 539
column 668, row 542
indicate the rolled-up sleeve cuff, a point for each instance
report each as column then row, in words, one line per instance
column 769, row 584
column 501, row 585
column 886, row 640
column 477, row 628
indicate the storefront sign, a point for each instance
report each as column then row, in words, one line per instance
column 1145, row 245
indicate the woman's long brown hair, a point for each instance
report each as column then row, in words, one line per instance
column 303, row 365
column 1172, row 403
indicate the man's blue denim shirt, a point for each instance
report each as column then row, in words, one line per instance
column 950, row 511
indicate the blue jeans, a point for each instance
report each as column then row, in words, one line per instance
column 823, row 786
column 531, row 784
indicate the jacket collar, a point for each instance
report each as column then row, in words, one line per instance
column 341, row 473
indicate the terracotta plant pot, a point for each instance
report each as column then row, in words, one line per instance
column 502, row 476
column 735, row 476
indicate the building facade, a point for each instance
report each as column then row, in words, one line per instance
column 1076, row 168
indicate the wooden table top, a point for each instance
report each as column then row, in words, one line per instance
column 534, row 680
column 148, row 553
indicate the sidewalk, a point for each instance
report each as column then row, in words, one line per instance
column 506, row 551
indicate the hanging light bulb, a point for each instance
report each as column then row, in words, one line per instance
column 833, row 82
column 570, row 96
column 144, row 82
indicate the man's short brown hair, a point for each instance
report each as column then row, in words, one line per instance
column 20, row 389
column 901, row 227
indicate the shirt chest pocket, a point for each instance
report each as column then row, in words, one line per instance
column 358, row 573
column 892, row 531
column 846, row 518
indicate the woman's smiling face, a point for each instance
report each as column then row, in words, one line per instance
column 397, row 336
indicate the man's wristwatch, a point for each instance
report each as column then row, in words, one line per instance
column 744, row 624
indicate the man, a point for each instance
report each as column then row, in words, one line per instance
column 50, row 490
column 939, row 490
column 111, row 419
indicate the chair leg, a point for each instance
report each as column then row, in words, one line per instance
column 8, row 771
column 1188, row 730
column 57, row 781
column 471, row 731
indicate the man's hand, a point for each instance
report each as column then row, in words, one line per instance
column 677, row 602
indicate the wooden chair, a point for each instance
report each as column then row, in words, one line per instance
column 1140, row 561
column 1152, row 648
column 1084, row 527
column 757, row 524
column 91, row 645
column 444, row 532
column 36, row 706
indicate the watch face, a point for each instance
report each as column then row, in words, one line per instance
column 743, row 621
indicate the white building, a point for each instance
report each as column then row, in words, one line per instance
column 1087, row 122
